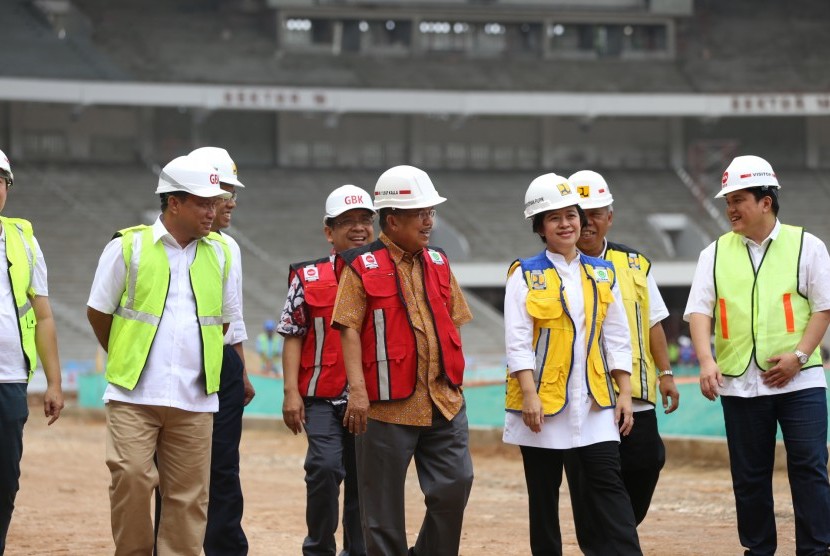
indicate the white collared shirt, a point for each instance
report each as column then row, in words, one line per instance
column 172, row 376
column 657, row 311
column 237, row 333
column 813, row 269
column 12, row 363
column 581, row 422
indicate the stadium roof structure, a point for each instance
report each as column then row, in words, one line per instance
column 735, row 47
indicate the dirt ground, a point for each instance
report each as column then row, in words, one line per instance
column 63, row 505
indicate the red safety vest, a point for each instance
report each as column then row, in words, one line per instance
column 322, row 372
column 390, row 356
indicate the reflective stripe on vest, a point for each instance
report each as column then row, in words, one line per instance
column 554, row 334
column 632, row 276
column 136, row 319
column 759, row 313
column 20, row 253
column 322, row 371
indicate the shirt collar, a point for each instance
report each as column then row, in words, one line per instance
column 772, row 235
column 395, row 252
column 160, row 231
column 557, row 258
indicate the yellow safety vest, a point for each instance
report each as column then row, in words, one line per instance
column 760, row 313
column 632, row 275
column 554, row 334
column 20, row 252
column 136, row 320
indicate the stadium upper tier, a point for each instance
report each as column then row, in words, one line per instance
column 76, row 208
column 735, row 46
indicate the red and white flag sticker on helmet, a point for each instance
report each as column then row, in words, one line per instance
column 435, row 256
column 369, row 260
column 602, row 275
column 311, row 273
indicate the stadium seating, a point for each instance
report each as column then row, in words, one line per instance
column 76, row 208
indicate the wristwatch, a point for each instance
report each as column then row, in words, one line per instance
column 802, row 357
column 667, row 372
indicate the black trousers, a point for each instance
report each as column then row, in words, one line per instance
column 642, row 456
column 13, row 415
column 602, row 489
column 224, row 535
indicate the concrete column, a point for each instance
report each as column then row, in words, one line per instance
column 677, row 148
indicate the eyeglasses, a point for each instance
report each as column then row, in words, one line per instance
column 366, row 221
column 421, row 214
column 233, row 196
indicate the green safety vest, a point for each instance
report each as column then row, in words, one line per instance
column 20, row 252
column 136, row 319
column 759, row 313
column 632, row 275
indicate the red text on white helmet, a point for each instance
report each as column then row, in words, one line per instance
column 405, row 187
column 745, row 172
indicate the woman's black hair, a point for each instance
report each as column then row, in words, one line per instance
column 538, row 220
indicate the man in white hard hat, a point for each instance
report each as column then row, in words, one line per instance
column 315, row 377
column 162, row 299
column 27, row 332
column 224, row 534
column 399, row 310
column 642, row 453
column 764, row 288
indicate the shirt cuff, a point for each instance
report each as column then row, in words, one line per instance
column 517, row 363
column 619, row 360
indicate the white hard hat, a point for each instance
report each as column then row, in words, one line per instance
column 347, row 197
column 405, row 187
column 747, row 171
column 192, row 176
column 549, row 192
column 6, row 168
column 222, row 161
column 592, row 189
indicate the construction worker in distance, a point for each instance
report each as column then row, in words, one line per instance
column 315, row 378
column 224, row 534
column 568, row 350
column 28, row 332
column 763, row 288
column 161, row 301
column 642, row 453
column 269, row 347
column 399, row 310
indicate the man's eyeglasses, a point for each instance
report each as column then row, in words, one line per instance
column 233, row 196
column 366, row 221
column 421, row 214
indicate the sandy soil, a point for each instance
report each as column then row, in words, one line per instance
column 63, row 505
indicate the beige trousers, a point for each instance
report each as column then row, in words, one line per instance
column 182, row 440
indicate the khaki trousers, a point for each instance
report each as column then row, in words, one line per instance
column 182, row 440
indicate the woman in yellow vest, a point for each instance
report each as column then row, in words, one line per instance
column 567, row 342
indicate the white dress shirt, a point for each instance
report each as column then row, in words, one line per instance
column 172, row 376
column 813, row 270
column 582, row 422
column 12, row 363
column 237, row 333
column 657, row 311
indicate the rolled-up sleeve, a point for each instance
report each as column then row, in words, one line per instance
column 518, row 325
column 350, row 305
column 616, row 335
column 702, row 292
column 110, row 279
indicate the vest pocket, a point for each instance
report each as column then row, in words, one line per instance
column 320, row 295
column 381, row 288
column 546, row 307
column 605, row 297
